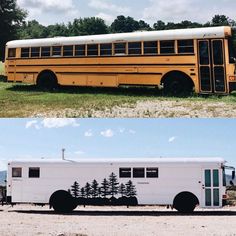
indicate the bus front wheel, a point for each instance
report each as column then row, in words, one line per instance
column 47, row 80
column 62, row 202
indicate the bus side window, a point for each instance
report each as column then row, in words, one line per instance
column 16, row 172
column 120, row 49
column 79, row 50
column 68, row 51
column 45, row 52
column 138, row 173
column 167, row 47
column 125, row 172
column 35, row 52
column 12, row 52
column 34, row 172
column 106, row 49
column 92, row 50
column 25, row 52
column 185, row 46
column 135, row 48
column 152, row 172
column 150, row 47
column 56, row 51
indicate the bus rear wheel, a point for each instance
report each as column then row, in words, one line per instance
column 185, row 202
column 176, row 84
column 47, row 81
column 62, row 202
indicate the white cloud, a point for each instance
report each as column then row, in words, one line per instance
column 32, row 124
column 131, row 131
column 106, row 17
column 107, row 133
column 88, row 133
column 175, row 10
column 121, row 130
column 106, row 5
column 59, row 123
column 172, row 139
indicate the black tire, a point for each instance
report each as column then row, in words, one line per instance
column 62, row 202
column 185, row 202
column 47, row 81
column 177, row 86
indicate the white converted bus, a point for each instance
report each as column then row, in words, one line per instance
column 182, row 183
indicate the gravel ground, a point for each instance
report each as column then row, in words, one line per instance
column 154, row 109
column 111, row 221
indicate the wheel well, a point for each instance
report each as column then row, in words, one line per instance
column 174, row 75
column 184, row 198
column 47, row 73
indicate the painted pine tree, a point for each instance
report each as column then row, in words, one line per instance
column 82, row 192
column 99, row 192
column 75, row 189
column 105, row 188
column 130, row 189
column 122, row 190
column 87, row 190
column 113, row 184
column 94, row 189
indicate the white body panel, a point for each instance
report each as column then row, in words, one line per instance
column 197, row 33
column 174, row 176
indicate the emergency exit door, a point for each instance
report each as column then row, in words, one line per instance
column 211, row 61
column 210, row 188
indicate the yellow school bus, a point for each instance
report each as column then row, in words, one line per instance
column 200, row 59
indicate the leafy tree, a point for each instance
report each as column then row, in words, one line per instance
column 75, row 189
column 11, row 17
column 159, row 25
column 82, row 192
column 221, row 20
column 87, row 190
column 113, row 184
column 144, row 26
column 124, row 24
column 130, row 189
column 105, row 188
column 94, row 188
column 56, row 30
column 87, row 26
column 122, row 190
column 32, row 29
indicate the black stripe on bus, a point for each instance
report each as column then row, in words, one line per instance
column 102, row 65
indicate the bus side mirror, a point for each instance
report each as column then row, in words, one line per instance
column 233, row 174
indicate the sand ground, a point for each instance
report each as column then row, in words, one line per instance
column 27, row 220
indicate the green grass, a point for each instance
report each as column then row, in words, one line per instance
column 2, row 72
column 19, row 100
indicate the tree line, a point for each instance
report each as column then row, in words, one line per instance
column 13, row 25
column 105, row 193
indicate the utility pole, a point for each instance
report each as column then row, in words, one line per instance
column 63, row 153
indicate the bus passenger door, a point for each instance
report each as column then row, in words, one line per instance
column 212, row 66
column 210, row 188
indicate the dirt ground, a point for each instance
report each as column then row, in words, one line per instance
column 26, row 220
column 153, row 109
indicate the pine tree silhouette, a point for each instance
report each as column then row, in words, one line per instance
column 75, row 190
column 82, row 192
column 99, row 192
column 87, row 189
column 105, row 188
column 113, row 184
column 130, row 189
column 94, row 189
column 122, row 190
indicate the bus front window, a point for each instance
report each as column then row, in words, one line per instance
column 224, row 177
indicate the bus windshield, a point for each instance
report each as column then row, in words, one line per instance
column 232, row 46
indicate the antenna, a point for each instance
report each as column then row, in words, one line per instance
column 63, row 153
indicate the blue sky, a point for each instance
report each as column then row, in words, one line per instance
column 52, row 11
column 117, row 138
